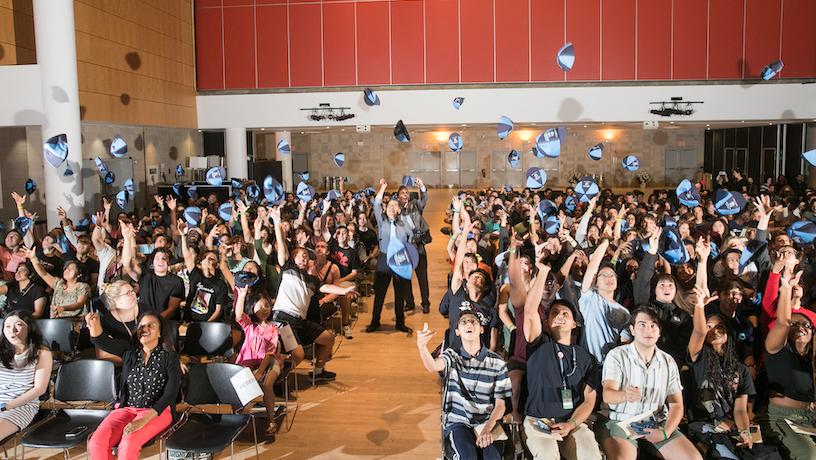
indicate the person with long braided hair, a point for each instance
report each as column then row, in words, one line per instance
column 790, row 361
column 722, row 387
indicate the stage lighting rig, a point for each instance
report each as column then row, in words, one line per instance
column 327, row 112
column 676, row 106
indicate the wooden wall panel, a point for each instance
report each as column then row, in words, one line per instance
column 16, row 33
column 136, row 61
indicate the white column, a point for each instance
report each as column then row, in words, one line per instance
column 286, row 160
column 56, row 56
column 235, row 140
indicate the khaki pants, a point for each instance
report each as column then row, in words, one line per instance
column 580, row 444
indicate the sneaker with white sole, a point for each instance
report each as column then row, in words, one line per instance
column 347, row 332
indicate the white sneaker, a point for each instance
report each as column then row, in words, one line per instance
column 347, row 332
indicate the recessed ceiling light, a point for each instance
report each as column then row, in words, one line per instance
column 301, row 132
column 769, row 123
column 707, row 125
column 708, row 129
column 263, row 129
column 342, row 129
column 671, row 122
column 743, row 121
column 585, row 126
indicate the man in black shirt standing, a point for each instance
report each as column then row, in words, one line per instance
column 562, row 377
column 208, row 292
column 160, row 290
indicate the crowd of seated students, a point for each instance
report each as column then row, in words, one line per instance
column 630, row 326
column 127, row 279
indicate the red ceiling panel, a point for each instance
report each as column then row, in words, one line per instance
column 477, row 40
column 547, row 37
column 654, row 19
column 372, row 43
column 799, row 38
column 584, row 31
column 690, row 29
column 407, row 42
column 209, row 49
column 725, row 39
column 305, row 48
column 512, row 40
column 442, row 41
column 618, row 46
column 272, row 36
column 239, row 47
column 762, row 31
column 339, row 63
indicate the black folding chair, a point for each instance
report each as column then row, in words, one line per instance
column 59, row 336
column 203, row 432
column 205, row 339
column 88, row 381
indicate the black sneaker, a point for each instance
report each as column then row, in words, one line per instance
column 372, row 328
column 404, row 328
column 325, row 376
column 426, row 309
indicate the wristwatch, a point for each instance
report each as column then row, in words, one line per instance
column 2, row 407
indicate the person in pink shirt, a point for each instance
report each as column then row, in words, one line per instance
column 786, row 259
column 259, row 349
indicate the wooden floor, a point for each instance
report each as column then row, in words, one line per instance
column 384, row 404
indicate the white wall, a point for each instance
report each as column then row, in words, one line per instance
column 20, row 95
column 724, row 102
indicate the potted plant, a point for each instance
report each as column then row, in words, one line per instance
column 644, row 178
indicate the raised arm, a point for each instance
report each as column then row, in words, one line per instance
column 778, row 336
column 171, row 205
column 280, row 241
column 532, row 319
column 186, row 252
column 456, row 279
column 703, row 250
column 616, row 233
column 240, row 300
column 423, row 195
column 378, row 211
column 593, row 265
column 431, row 365
column 49, row 279
column 583, row 225
column 698, row 334
column 131, row 267
column 98, row 234
column 246, row 230
column 641, row 286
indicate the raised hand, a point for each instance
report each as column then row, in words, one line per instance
column 419, row 182
column 383, row 182
column 703, row 249
column 424, row 336
column 181, row 226
column 106, row 203
column 19, row 199
column 171, row 201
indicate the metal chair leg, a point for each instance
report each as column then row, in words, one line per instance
column 255, row 435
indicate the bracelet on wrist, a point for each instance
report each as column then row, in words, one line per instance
column 574, row 423
column 665, row 435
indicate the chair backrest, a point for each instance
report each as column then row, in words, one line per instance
column 199, row 389
column 57, row 334
column 85, row 380
column 208, row 339
column 210, row 384
column 219, row 375
column 172, row 329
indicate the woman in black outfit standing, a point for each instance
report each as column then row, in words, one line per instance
column 149, row 386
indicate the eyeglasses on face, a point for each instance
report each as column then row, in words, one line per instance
column 803, row 324
column 469, row 321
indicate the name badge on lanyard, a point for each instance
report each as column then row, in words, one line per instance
column 567, row 402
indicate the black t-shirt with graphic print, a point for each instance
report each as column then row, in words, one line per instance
column 205, row 294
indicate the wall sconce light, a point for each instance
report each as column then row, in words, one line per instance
column 441, row 136
column 526, row 135
column 609, row 134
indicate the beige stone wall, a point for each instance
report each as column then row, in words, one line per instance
column 370, row 156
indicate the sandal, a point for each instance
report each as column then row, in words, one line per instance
column 271, row 431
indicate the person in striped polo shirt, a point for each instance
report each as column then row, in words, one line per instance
column 477, row 386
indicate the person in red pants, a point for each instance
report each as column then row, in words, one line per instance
column 149, row 384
